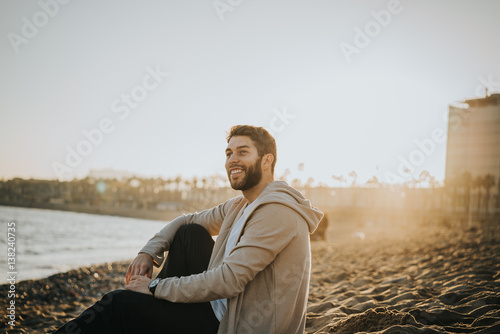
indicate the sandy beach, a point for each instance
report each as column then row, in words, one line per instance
column 406, row 279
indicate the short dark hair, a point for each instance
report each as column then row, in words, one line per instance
column 262, row 139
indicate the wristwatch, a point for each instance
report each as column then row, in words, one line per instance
column 153, row 284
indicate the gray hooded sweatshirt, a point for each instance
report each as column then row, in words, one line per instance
column 265, row 277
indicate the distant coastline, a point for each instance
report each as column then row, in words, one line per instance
column 164, row 199
column 110, row 211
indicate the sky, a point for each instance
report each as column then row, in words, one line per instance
column 153, row 87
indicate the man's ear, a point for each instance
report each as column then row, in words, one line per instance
column 267, row 160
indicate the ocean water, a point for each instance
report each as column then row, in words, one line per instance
column 48, row 241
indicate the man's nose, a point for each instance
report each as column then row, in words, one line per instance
column 232, row 159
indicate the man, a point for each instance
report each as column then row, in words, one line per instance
column 255, row 279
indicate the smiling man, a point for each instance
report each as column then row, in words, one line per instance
column 253, row 279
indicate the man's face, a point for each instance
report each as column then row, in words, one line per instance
column 243, row 163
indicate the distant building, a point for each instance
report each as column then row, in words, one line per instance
column 474, row 140
column 109, row 173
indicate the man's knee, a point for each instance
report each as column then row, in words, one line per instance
column 192, row 230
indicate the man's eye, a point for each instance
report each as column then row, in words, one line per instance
column 243, row 152
column 228, row 155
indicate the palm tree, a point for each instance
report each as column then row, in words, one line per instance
column 178, row 181
column 488, row 183
column 466, row 182
column 374, row 181
column 296, row 184
column 477, row 183
column 340, row 179
column 309, row 183
column 285, row 174
column 422, row 177
column 450, row 186
column 354, row 176
column 498, row 196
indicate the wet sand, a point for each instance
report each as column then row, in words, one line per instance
column 423, row 279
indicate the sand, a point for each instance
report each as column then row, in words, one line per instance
column 408, row 280
column 420, row 279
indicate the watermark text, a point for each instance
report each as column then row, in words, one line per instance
column 11, row 273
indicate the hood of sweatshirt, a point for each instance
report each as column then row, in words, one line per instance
column 280, row 192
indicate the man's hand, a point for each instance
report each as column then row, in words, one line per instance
column 141, row 266
column 139, row 284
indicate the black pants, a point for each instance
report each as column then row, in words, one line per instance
column 123, row 311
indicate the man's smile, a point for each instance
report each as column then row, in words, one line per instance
column 235, row 171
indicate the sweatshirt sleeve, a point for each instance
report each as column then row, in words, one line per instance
column 268, row 231
column 210, row 219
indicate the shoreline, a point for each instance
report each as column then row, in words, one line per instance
column 119, row 212
column 432, row 279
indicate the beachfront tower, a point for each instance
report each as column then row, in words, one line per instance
column 473, row 152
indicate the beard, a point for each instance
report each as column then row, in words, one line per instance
column 253, row 175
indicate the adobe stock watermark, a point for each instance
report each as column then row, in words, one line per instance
column 427, row 146
column 11, row 239
column 31, row 27
column 224, row 6
column 121, row 107
column 486, row 86
column 280, row 120
column 372, row 29
column 89, row 314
